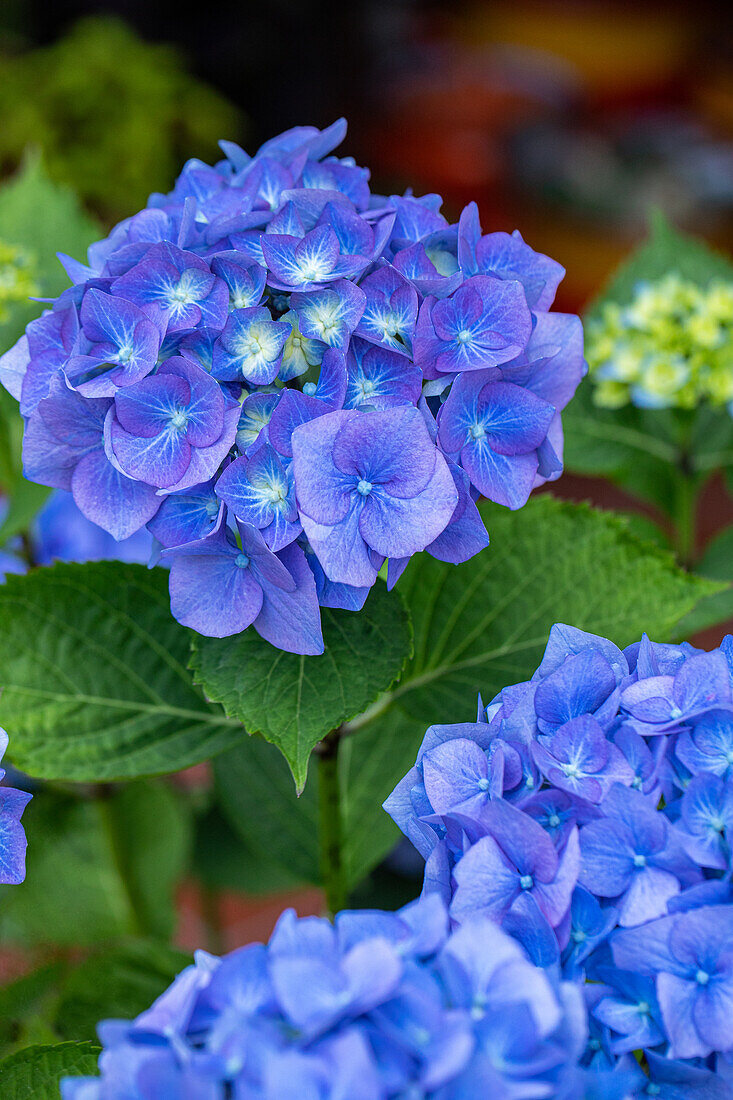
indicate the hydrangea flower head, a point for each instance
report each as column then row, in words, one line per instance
column 12, row 835
column 670, row 346
column 588, row 812
column 271, row 353
column 377, row 1006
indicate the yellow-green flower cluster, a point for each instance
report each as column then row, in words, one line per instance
column 672, row 345
column 16, row 278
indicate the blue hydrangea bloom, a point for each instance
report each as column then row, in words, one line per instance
column 377, row 1006
column 263, row 301
column 588, row 812
column 12, row 836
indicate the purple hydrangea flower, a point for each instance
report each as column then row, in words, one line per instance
column 220, row 586
column 689, row 957
column 64, row 447
column 12, row 835
column 295, row 295
column 369, row 486
column 613, row 865
column 377, row 1007
column 484, row 324
column 173, row 429
column 118, row 345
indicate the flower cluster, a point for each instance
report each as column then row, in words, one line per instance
column 290, row 380
column 17, row 283
column 378, row 1005
column 12, row 836
column 589, row 813
column 672, row 345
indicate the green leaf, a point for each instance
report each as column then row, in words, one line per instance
column 98, row 868
column 646, row 529
column 639, row 449
column 294, row 701
column 717, row 563
column 620, row 443
column 666, row 251
column 227, row 858
column 484, row 624
column 43, row 218
column 256, row 793
column 116, row 984
column 35, row 1072
column 22, row 1004
column 149, row 827
column 94, row 677
column 24, row 498
column 478, row 627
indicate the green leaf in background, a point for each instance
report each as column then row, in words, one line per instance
column 23, row 1003
column 478, row 627
column 37, row 219
column 67, row 998
column 118, row 983
column 485, row 624
column 24, row 498
column 295, row 701
column 665, row 251
column 226, row 858
column 98, row 868
column 94, row 679
column 639, row 449
column 34, row 1073
column 115, row 115
column 256, row 793
column 716, row 563
column 42, row 218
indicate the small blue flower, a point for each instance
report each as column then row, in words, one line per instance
column 250, row 347
column 369, row 486
column 173, row 429
column 330, row 315
column 633, row 856
column 506, row 256
column 484, row 324
column 12, row 835
column 222, row 584
column 390, row 312
column 259, row 490
column 175, row 288
column 64, row 447
column 378, row 378
column 688, row 955
column 119, row 346
column 494, row 429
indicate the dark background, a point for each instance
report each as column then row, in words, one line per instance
column 566, row 120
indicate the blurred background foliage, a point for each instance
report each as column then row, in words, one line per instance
column 114, row 115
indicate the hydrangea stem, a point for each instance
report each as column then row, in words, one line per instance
column 111, row 827
column 330, row 823
column 685, row 516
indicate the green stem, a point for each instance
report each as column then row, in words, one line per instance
column 685, row 517
column 687, row 489
column 110, row 823
column 330, row 823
